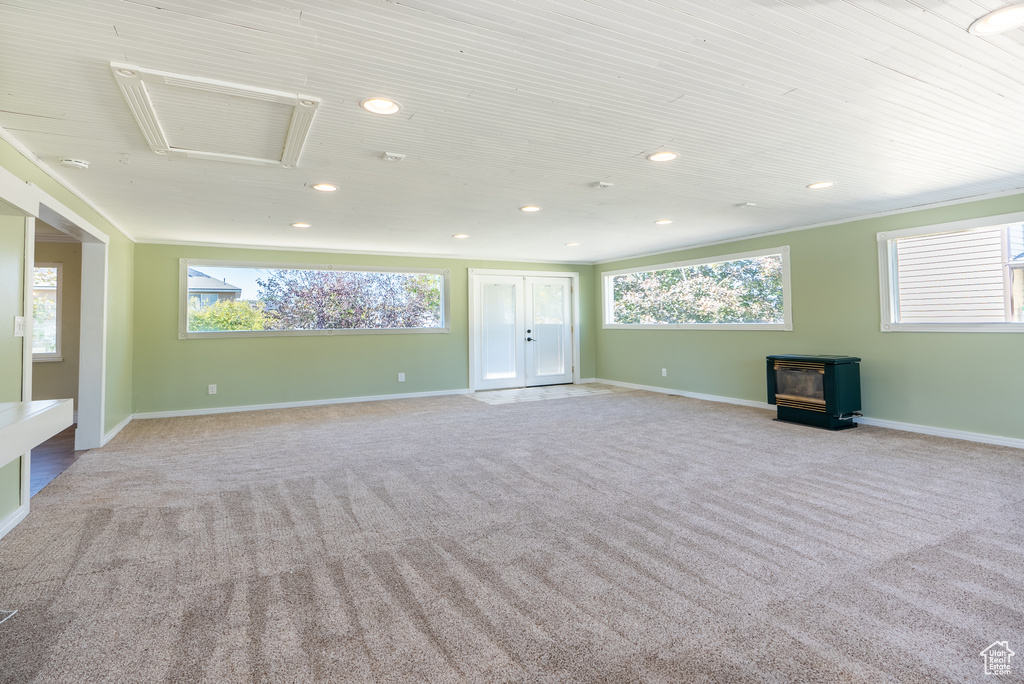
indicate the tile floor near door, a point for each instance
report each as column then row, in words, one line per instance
column 52, row 457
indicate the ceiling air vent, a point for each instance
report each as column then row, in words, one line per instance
column 200, row 118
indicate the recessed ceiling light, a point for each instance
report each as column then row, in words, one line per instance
column 460, row 236
column 572, row 244
column 529, row 208
column 662, row 156
column 302, row 225
column 662, row 222
column 1001, row 20
column 820, row 185
column 380, row 105
column 325, row 187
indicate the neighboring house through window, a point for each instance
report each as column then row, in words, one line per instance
column 204, row 290
column 963, row 279
column 282, row 299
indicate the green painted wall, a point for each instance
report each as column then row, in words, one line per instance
column 962, row 381
column 59, row 379
column 12, row 303
column 119, row 298
column 12, row 272
column 172, row 374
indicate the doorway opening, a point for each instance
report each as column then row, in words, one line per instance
column 522, row 328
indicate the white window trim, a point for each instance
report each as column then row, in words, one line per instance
column 185, row 264
column 55, row 356
column 887, row 275
column 608, row 302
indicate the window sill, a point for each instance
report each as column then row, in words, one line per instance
column 47, row 359
column 954, row 327
column 697, row 326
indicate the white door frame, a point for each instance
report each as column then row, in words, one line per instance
column 474, row 332
column 92, row 364
column 31, row 201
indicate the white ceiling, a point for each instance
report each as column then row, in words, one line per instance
column 515, row 102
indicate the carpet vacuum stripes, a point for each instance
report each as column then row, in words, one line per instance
column 615, row 537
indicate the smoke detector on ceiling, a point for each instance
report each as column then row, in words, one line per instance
column 602, row 185
column 392, row 156
column 74, row 163
column 746, row 205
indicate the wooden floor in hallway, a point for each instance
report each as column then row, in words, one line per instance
column 53, row 457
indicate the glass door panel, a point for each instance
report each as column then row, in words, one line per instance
column 498, row 332
column 549, row 336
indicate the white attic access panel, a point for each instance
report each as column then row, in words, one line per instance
column 202, row 118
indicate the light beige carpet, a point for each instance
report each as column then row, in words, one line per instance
column 624, row 537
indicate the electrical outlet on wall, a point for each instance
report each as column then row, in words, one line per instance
column 664, row 372
column 401, row 377
column 212, row 389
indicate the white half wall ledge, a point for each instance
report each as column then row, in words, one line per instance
column 983, row 438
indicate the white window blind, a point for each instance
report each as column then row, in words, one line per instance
column 952, row 277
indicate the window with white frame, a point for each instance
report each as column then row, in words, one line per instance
column 736, row 291
column 46, row 312
column 961, row 277
column 245, row 299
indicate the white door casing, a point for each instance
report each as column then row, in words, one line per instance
column 504, row 305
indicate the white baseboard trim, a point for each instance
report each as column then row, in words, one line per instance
column 13, row 519
column 584, row 381
column 117, row 428
column 865, row 420
column 691, row 395
column 943, row 432
column 295, row 404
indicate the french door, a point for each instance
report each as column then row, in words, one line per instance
column 522, row 331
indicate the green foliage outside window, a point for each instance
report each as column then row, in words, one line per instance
column 738, row 291
column 225, row 314
column 298, row 299
column 338, row 300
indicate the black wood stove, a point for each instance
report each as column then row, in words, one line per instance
column 815, row 390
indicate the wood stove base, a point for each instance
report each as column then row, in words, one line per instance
column 815, row 418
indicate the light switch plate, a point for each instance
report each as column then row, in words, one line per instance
column 19, row 326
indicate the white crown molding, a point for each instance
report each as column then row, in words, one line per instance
column 6, row 136
column 336, row 250
column 838, row 222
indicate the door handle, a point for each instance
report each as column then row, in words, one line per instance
column 530, row 339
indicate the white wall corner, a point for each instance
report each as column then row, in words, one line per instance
column 13, row 519
column 116, row 429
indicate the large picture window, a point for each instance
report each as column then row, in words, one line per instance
column 735, row 291
column 229, row 298
column 960, row 277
